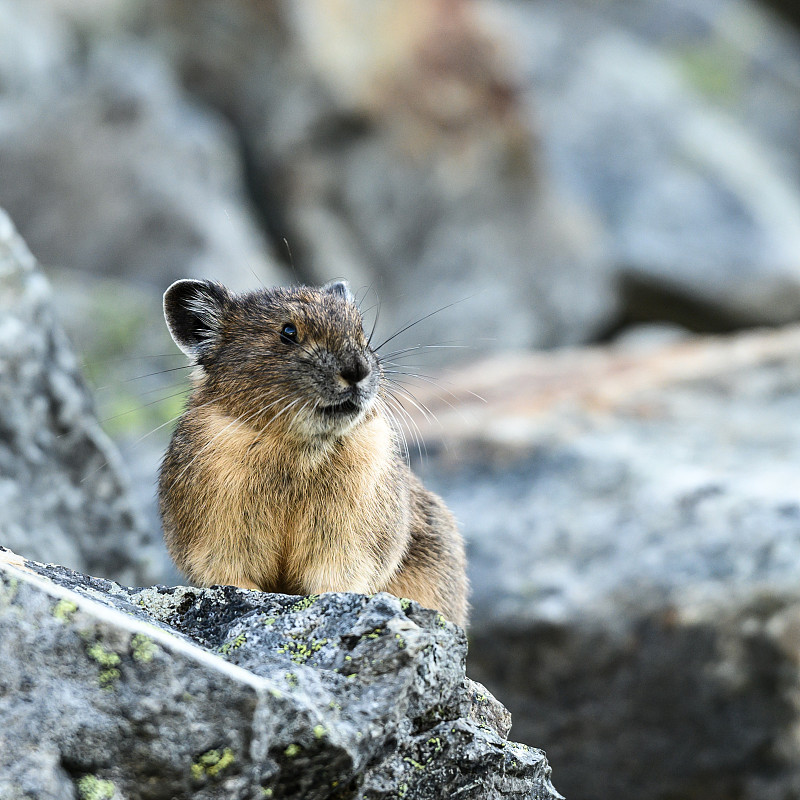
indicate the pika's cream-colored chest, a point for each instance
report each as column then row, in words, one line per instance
column 286, row 522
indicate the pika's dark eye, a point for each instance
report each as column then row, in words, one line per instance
column 289, row 333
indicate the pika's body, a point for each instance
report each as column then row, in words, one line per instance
column 285, row 472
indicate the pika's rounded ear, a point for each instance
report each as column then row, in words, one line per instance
column 193, row 311
column 340, row 288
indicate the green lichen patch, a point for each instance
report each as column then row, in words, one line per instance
column 108, row 661
column 143, row 648
column 90, row 787
column 715, row 69
column 291, row 679
column 234, row 645
column 300, row 652
column 437, row 744
column 64, row 610
column 319, row 731
column 306, row 602
column 104, row 657
column 292, row 750
column 212, row 763
column 405, row 603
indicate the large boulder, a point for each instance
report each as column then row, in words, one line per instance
column 633, row 532
column 120, row 184
column 677, row 121
column 120, row 694
column 63, row 493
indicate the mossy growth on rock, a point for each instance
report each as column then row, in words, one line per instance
column 90, row 787
column 212, row 763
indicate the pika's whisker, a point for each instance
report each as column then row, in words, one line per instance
column 435, row 382
column 396, row 426
column 413, row 428
column 418, row 404
column 417, row 322
column 417, row 347
column 181, row 393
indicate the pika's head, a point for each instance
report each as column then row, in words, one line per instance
column 291, row 359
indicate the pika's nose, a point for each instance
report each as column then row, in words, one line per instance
column 355, row 371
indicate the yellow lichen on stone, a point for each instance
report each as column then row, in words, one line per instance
column 143, row 647
column 212, row 762
column 90, row 787
column 64, row 610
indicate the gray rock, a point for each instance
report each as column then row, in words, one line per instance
column 738, row 57
column 697, row 194
column 62, row 491
column 179, row 693
column 633, row 534
column 108, row 167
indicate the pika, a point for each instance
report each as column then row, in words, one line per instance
column 285, row 472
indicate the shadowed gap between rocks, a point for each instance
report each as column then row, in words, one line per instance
column 663, row 687
column 645, row 302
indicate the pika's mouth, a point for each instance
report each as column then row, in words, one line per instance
column 346, row 408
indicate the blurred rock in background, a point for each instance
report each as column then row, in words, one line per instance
column 62, row 493
column 390, row 142
column 633, row 522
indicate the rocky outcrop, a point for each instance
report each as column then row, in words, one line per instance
column 62, row 492
column 124, row 694
column 633, row 533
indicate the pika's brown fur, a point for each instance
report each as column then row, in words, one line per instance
column 285, row 472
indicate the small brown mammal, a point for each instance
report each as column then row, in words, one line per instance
column 285, row 473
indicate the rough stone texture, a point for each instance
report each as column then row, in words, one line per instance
column 188, row 693
column 633, row 534
column 62, row 494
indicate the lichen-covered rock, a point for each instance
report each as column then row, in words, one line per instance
column 633, row 533
column 62, row 494
column 206, row 693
